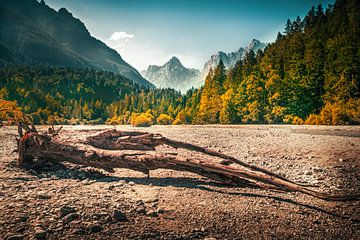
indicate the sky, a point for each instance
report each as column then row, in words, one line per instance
column 150, row 32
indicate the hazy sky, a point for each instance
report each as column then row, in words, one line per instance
column 148, row 32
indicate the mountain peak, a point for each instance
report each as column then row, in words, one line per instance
column 174, row 60
column 254, row 43
column 172, row 75
column 229, row 59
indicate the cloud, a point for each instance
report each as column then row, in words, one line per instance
column 119, row 40
column 116, row 36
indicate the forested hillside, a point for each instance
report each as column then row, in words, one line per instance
column 65, row 95
column 310, row 74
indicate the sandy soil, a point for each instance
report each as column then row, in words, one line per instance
column 72, row 202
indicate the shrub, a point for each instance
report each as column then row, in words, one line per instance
column 293, row 119
column 313, row 119
column 140, row 120
column 177, row 122
column 164, row 119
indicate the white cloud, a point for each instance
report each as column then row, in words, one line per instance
column 119, row 40
column 121, row 36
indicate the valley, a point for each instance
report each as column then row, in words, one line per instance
column 71, row 202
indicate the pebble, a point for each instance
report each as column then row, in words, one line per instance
column 65, row 210
column 70, row 217
column 15, row 237
column 118, row 215
column 78, row 231
column 141, row 209
column 152, row 213
column 95, row 228
column 43, row 196
column 40, row 233
column 341, row 160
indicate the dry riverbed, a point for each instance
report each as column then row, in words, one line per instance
column 72, row 202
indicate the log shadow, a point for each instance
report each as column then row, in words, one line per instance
column 204, row 184
column 64, row 171
column 285, row 200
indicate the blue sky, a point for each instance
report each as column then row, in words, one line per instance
column 148, row 32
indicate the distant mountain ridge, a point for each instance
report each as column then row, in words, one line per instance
column 34, row 34
column 172, row 75
column 229, row 59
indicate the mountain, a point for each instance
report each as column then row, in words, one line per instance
column 172, row 75
column 229, row 59
column 32, row 33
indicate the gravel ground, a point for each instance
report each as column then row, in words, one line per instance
column 73, row 202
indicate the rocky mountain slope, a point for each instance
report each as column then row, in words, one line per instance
column 229, row 59
column 34, row 34
column 172, row 75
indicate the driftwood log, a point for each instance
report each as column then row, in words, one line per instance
column 138, row 151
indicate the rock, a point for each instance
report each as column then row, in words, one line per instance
column 100, row 215
column 65, row 210
column 119, row 216
column 15, row 237
column 95, row 228
column 43, row 195
column 152, row 213
column 78, row 231
column 23, row 218
column 71, row 217
column 141, row 209
column 40, row 233
column 160, row 210
column 131, row 183
column 341, row 160
column 321, row 178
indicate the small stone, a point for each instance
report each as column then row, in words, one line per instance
column 43, row 196
column 118, row 215
column 95, row 228
column 341, row 160
column 65, row 210
column 321, row 178
column 70, row 217
column 152, row 213
column 131, row 183
column 141, row 209
column 15, row 237
column 78, row 231
column 160, row 210
column 23, row 218
column 40, row 234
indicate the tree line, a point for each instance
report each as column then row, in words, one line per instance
column 310, row 74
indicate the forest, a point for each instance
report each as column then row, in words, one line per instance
column 309, row 75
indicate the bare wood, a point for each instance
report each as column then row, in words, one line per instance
column 137, row 151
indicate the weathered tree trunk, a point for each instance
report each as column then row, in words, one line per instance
column 137, row 151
